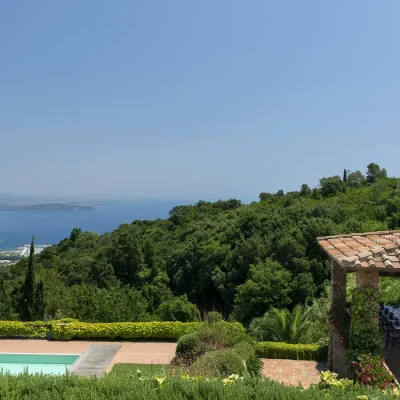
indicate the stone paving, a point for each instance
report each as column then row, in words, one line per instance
column 293, row 372
column 289, row 372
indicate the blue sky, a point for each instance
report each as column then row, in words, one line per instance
column 184, row 99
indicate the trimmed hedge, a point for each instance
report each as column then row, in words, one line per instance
column 123, row 330
column 290, row 351
column 68, row 329
column 37, row 329
column 127, row 330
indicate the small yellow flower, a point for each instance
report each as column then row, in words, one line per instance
column 160, row 380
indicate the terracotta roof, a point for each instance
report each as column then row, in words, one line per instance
column 372, row 250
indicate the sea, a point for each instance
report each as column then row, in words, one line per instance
column 18, row 227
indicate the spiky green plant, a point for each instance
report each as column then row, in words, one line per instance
column 301, row 325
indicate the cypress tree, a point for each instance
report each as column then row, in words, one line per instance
column 28, row 288
column 345, row 175
column 32, row 299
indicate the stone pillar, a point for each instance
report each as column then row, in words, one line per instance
column 338, row 280
column 369, row 279
column 337, row 356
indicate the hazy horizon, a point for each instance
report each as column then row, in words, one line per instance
column 122, row 199
column 179, row 100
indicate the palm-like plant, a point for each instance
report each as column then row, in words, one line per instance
column 302, row 325
column 318, row 321
column 286, row 326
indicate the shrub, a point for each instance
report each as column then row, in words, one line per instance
column 292, row 351
column 213, row 317
column 128, row 387
column 178, row 309
column 370, row 371
column 215, row 338
column 218, row 364
column 247, row 351
column 304, row 324
column 189, row 348
column 329, row 380
column 221, row 335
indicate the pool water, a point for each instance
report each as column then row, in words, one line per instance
column 54, row 364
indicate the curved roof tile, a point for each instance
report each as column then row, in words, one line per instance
column 372, row 250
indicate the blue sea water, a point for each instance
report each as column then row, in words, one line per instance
column 17, row 228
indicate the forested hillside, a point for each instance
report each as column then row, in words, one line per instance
column 238, row 259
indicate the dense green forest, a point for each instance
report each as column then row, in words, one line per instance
column 240, row 260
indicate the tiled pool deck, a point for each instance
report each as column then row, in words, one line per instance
column 289, row 372
column 138, row 353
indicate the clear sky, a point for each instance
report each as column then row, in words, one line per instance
column 195, row 99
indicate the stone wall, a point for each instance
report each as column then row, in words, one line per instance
column 338, row 291
column 337, row 355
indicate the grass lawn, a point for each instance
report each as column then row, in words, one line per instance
column 145, row 369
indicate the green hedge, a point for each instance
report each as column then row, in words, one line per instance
column 292, row 351
column 65, row 330
column 127, row 330
column 68, row 329
column 123, row 330
column 35, row 329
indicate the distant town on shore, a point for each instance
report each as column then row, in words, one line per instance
column 46, row 207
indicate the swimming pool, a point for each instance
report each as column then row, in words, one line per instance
column 54, row 364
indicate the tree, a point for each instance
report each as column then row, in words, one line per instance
column 39, row 302
column 178, row 309
column 305, row 190
column 268, row 286
column 126, row 257
column 374, row 173
column 280, row 193
column 315, row 194
column 75, row 234
column 332, row 186
column 28, row 289
column 355, row 179
column 266, row 196
column 345, row 176
column 6, row 311
column 89, row 303
column 32, row 299
column 303, row 287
